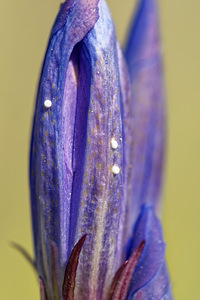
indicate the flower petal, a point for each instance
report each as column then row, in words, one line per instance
column 51, row 170
column 150, row 278
column 98, row 205
column 156, row 288
column 144, row 59
column 78, row 166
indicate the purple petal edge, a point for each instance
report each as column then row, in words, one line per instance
column 158, row 288
column 151, row 275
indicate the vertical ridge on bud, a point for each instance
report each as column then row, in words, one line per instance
column 128, row 140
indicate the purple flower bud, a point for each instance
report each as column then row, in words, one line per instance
column 150, row 279
column 87, row 180
column 81, row 152
column 144, row 57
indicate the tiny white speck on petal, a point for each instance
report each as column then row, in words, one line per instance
column 47, row 103
column 114, row 143
column 115, row 169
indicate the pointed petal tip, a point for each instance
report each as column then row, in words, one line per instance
column 84, row 14
column 144, row 36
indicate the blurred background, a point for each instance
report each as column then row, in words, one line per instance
column 25, row 27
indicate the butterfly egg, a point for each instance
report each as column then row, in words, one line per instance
column 47, row 103
column 114, row 143
column 115, row 169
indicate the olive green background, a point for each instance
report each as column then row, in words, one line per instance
column 24, row 30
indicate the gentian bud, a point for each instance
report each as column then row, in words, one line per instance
column 144, row 57
column 150, row 279
column 81, row 154
column 86, row 186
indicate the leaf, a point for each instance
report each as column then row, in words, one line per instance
column 122, row 279
column 115, row 280
column 25, row 254
column 43, row 295
column 70, row 271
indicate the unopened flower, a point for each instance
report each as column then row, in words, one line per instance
column 83, row 174
column 144, row 57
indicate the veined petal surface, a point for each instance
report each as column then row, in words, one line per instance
column 144, row 57
column 78, row 165
column 150, row 279
column 99, row 197
column 51, row 166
